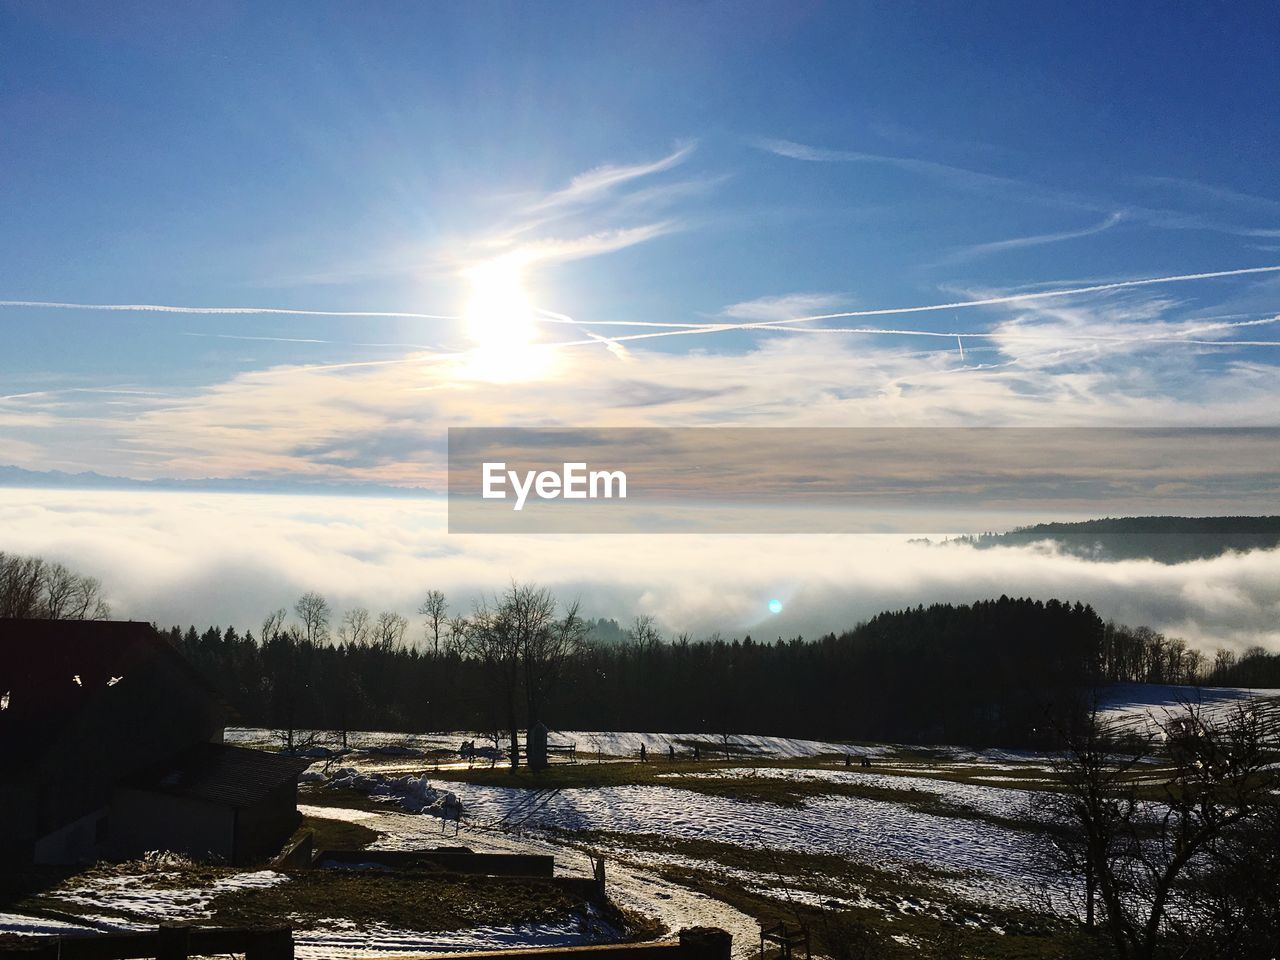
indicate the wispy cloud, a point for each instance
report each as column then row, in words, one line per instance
column 782, row 307
column 960, row 177
column 1035, row 240
column 1207, row 207
column 559, row 249
column 590, row 186
column 1215, row 194
column 604, row 210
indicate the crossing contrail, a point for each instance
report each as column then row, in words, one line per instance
column 694, row 328
column 685, row 329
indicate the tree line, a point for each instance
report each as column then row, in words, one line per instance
column 982, row 672
column 34, row 588
column 985, row 672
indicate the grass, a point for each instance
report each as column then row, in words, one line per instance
column 330, row 834
column 712, row 778
column 408, row 900
column 421, row 900
column 320, row 796
column 937, row 930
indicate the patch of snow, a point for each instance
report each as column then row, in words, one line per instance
column 414, row 794
column 132, row 894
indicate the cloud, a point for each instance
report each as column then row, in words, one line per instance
column 783, row 307
column 601, row 211
column 559, row 250
column 1198, row 194
column 224, row 558
column 960, row 177
column 382, row 422
column 1215, row 194
column 593, row 184
column 1036, row 240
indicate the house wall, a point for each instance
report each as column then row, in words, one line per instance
column 18, row 814
column 81, row 841
column 261, row 830
column 142, row 820
column 118, row 737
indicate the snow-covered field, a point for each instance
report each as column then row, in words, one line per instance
column 956, row 825
column 590, row 743
column 1144, row 707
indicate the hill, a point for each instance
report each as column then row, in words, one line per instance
column 1163, row 539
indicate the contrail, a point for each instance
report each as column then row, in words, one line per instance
column 971, row 335
column 611, row 344
column 684, row 329
column 165, row 308
column 1053, row 338
column 336, row 343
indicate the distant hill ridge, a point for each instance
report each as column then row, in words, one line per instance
column 1163, row 539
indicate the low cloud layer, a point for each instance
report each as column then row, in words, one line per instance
column 230, row 558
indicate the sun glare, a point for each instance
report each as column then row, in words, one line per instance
column 499, row 312
column 501, row 324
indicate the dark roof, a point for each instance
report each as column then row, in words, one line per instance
column 54, row 671
column 217, row 773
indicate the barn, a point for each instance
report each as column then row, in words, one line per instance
column 112, row 747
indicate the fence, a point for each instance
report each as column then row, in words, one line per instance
column 169, row 942
column 174, row 942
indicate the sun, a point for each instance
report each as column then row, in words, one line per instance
column 499, row 312
column 501, row 322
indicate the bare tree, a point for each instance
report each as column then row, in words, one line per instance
column 547, row 644
column 314, row 612
column 355, row 629
column 456, row 638
column 433, row 608
column 32, row 588
column 491, row 640
column 272, row 625
column 524, row 647
column 643, row 635
column 1133, row 839
column 389, row 631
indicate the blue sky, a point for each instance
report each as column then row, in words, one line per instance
column 528, row 175
column 329, row 156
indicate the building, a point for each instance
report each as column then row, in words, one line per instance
column 112, row 746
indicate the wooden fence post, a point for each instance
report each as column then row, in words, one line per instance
column 173, row 942
column 272, row 944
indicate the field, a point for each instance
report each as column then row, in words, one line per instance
column 927, row 851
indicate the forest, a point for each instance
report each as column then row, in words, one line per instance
column 993, row 672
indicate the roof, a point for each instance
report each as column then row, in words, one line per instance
column 222, row 774
column 55, row 672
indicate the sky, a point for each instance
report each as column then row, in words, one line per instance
column 384, row 220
